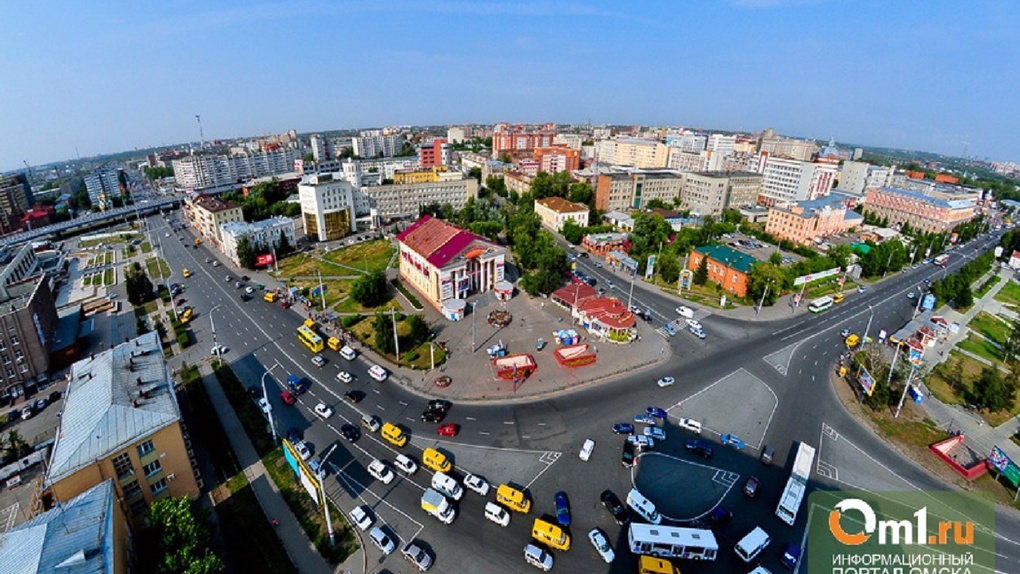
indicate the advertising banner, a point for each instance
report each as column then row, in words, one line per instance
column 928, row 303
column 1005, row 465
column 264, row 260
column 650, row 268
column 816, row 276
column 866, row 381
column 686, row 277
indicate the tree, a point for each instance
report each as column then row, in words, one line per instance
column 572, row 232
column 370, row 290
column 993, row 392
column 419, row 330
column 14, row 446
column 581, row 192
column 496, row 185
column 283, row 244
column 246, row 254
column 656, row 204
column 668, row 266
column 309, row 157
column 383, row 326
column 776, row 258
column 1011, row 348
column 138, row 285
column 701, row 274
column 182, row 537
column 765, row 280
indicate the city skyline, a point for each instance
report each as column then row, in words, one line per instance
column 88, row 82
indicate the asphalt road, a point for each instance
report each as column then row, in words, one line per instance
column 783, row 365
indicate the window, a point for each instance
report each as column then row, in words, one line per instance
column 138, row 507
column 122, row 465
column 145, row 448
column 7, row 360
column 132, row 489
column 152, row 468
column 14, row 340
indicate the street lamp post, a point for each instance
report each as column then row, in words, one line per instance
column 867, row 327
column 903, row 397
column 212, row 325
column 322, row 487
column 272, row 425
column 762, row 302
column 630, row 298
column 396, row 340
column 474, row 304
column 917, row 308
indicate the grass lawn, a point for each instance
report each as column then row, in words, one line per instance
column 371, row 255
column 990, row 326
column 155, row 266
column 108, row 277
column 981, row 347
column 108, row 258
column 365, row 331
column 146, row 247
column 351, row 306
column 703, row 295
column 1009, row 294
column 940, row 383
column 307, row 265
column 86, row 279
column 987, row 286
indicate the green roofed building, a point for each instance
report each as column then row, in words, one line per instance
column 726, row 267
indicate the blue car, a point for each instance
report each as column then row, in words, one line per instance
column 623, row 428
column 656, row 412
column 562, row 508
column 732, row 440
column 670, row 329
column 790, row 556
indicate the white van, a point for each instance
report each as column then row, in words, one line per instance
column 751, row 545
column 497, row 514
column 690, row 424
column 378, row 373
column 445, row 484
column 348, row 353
column 538, row 558
column 643, row 507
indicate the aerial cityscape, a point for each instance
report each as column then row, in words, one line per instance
column 359, row 289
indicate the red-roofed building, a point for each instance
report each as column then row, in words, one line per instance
column 608, row 318
column 573, row 295
column 443, row 261
column 1014, row 260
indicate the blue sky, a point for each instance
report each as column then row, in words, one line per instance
column 927, row 76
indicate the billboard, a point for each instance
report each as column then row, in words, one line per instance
column 650, row 268
column 264, row 260
column 866, row 381
column 816, row 276
column 686, row 277
column 928, row 303
column 1003, row 464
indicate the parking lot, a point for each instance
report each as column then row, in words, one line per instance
column 758, row 249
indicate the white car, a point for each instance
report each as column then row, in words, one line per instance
column 405, row 464
column 417, row 556
column 685, row 312
column 477, row 484
column 218, row 350
column 264, row 405
column 378, row 373
column 665, row 381
column 601, row 544
column 690, row 424
column 318, row 361
column 654, row 433
column 381, row 541
column 344, row 377
column 586, row 449
column 302, row 449
column 323, row 410
column 361, row 518
column 380, row 471
column 694, row 324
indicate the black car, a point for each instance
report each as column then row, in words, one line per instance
column 628, row 454
column 439, row 405
column 699, row 448
column 433, row 416
column 614, row 506
column 350, row 432
column 245, row 278
column 720, row 516
column 354, row 396
column 592, row 282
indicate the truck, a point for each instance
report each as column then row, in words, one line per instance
column 796, row 486
column 436, row 504
column 296, row 384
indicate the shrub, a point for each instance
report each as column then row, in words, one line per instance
column 183, row 339
column 349, row 321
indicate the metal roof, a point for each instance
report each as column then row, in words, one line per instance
column 114, row 399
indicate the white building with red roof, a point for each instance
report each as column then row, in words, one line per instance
column 443, row 262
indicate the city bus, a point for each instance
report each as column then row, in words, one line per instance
column 820, row 304
column 310, row 339
column 672, row 542
column 796, row 486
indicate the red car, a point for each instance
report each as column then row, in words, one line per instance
column 449, row 429
column 285, row 304
column 288, row 398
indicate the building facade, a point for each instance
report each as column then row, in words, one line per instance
column 623, row 191
column 264, row 236
column 442, row 261
column 555, row 211
column 805, row 222
column 709, row 193
column 402, row 201
column 320, row 148
column 327, row 206
column 437, row 152
column 121, row 420
column 28, row 321
column 786, row 180
column 640, row 153
column 15, row 201
column 219, row 172
column 518, row 138
column 372, row 144
column 207, row 214
column 802, row 150
column 557, row 158
column 933, row 212
column 104, row 184
column 726, row 267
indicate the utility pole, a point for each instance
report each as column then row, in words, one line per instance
column 322, row 487
column 322, row 292
column 867, row 328
column 762, row 302
column 396, row 340
column 903, row 397
column 201, row 134
column 474, row 304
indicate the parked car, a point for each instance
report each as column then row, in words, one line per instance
column 255, row 391
column 697, row 333
column 623, row 428
column 732, row 440
column 264, row 406
column 720, row 516
column 699, row 448
column 641, row 442
column 628, row 457
column 644, row 419
column 417, row 556
column 655, row 433
column 656, row 412
column 693, row 323
column 287, row 398
column 665, row 381
column 601, row 543
column 381, row 540
column 586, row 449
column 751, row 487
column 361, row 518
column 323, row 410
column 562, row 508
column 293, row 435
column 790, row 555
column 614, row 506
column 302, row 450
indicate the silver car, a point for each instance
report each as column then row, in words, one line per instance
column 416, row 555
column 381, row 540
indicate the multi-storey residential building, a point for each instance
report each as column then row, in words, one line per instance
column 320, row 148
column 372, row 144
column 401, row 201
column 803, row 150
column 15, row 201
column 806, row 221
column 104, row 184
column 856, row 176
column 437, row 152
column 932, row 212
column 788, row 180
column 327, row 206
column 720, row 144
column 572, row 141
column 517, row 182
column 121, row 420
column 87, row 533
column 518, row 138
column 640, row 153
column 687, row 141
column 263, row 235
column 633, row 190
column 727, row 267
column 557, row 158
column 709, row 193
column 222, row 172
column 28, row 319
column 685, row 161
column 605, row 152
column 456, row 134
column 444, row 262
column 208, row 213
column 555, row 211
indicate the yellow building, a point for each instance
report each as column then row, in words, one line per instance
column 208, row 213
column 429, row 175
column 121, row 420
column 555, row 211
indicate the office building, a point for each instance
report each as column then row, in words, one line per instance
column 263, row 236
column 623, row 191
column 15, row 201
column 686, row 161
column 456, row 134
column 121, row 420
column 727, row 267
column 443, row 262
column 432, row 174
column 855, row 177
column 786, row 180
column 28, row 320
column 802, row 150
column 402, row 201
column 327, row 206
column 373, row 144
column 804, row 222
column 709, row 193
column 931, row 212
column 555, row 211
column 720, row 144
column 437, row 152
column 207, row 214
column 519, row 138
column 639, row 153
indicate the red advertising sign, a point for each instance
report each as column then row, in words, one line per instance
column 263, row 260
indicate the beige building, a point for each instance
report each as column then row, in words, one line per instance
column 121, row 420
column 517, row 182
column 805, row 222
column 709, row 193
column 786, row 180
column 327, row 207
column 401, row 201
column 28, row 321
column 932, row 212
column 208, row 213
column 803, row 150
column 639, row 153
column 428, row 175
column 555, row 211
column 633, row 190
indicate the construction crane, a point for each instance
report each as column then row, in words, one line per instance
column 201, row 134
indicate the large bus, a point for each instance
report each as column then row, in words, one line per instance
column 820, row 304
column 942, row 259
column 796, row 486
column 672, row 542
column 310, row 339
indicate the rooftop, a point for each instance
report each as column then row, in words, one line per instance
column 731, row 258
column 114, row 399
column 17, row 296
column 243, row 227
column 439, row 242
column 560, row 205
column 961, row 203
column 212, row 204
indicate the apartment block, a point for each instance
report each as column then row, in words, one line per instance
column 121, row 420
column 517, row 182
column 207, row 214
column 327, row 206
column 263, row 235
column 555, row 211
column 557, row 158
column 572, row 141
column 15, row 201
column 640, row 153
column 104, row 184
column 933, row 212
column 802, row 150
column 520, row 138
column 437, row 152
column 623, row 191
column 28, row 321
column 373, row 144
column 320, row 148
column 709, row 193
column 805, row 222
column 786, row 180
column 456, row 134
column 220, row 172
column 402, row 201
column 721, row 144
